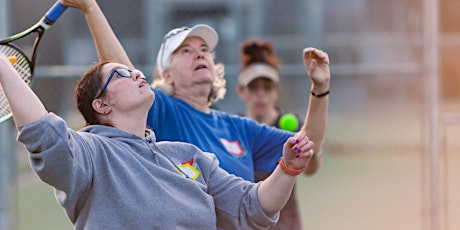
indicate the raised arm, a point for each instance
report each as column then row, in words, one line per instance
column 107, row 44
column 274, row 191
column 25, row 105
column 316, row 63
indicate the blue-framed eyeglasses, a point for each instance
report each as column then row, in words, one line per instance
column 121, row 72
column 172, row 33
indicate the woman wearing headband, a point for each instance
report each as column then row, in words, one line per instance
column 259, row 88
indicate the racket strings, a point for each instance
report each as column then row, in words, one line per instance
column 21, row 64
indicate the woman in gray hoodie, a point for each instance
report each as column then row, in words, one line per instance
column 112, row 174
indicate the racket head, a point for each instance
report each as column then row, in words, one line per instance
column 22, row 65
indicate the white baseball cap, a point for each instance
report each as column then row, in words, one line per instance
column 174, row 38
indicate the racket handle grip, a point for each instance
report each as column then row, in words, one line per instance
column 55, row 12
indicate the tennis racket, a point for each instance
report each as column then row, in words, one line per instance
column 21, row 62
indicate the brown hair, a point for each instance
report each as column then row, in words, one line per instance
column 258, row 51
column 85, row 93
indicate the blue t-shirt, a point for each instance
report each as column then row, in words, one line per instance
column 241, row 144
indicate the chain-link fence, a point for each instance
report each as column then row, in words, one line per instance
column 377, row 103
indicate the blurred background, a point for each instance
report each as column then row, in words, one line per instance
column 391, row 151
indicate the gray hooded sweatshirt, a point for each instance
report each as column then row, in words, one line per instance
column 106, row 178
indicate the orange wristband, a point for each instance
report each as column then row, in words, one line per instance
column 290, row 171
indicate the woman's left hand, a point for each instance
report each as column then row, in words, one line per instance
column 297, row 150
column 316, row 64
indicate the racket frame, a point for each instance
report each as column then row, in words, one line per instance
column 43, row 24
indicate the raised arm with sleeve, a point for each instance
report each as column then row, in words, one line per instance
column 107, row 44
column 24, row 103
column 316, row 63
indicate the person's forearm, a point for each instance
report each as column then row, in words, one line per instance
column 315, row 125
column 274, row 192
column 316, row 64
column 107, row 44
column 316, row 117
column 24, row 104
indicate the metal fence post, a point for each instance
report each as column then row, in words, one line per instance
column 6, row 143
column 431, row 62
column 4, row 177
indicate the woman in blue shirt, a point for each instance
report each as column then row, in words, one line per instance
column 191, row 82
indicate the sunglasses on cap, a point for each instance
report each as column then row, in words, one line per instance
column 168, row 36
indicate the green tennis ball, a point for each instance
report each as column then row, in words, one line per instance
column 289, row 122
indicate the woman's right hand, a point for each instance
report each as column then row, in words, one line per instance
column 82, row 5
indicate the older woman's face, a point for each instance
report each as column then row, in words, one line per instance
column 191, row 65
column 125, row 92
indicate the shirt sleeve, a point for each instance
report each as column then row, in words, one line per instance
column 59, row 156
column 268, row 146
column 236, row 200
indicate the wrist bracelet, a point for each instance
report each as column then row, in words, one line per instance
column 320, row 95
column 290, row 171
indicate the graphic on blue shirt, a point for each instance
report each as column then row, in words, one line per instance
column 241, row 145
column 233, row 147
